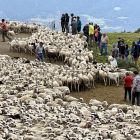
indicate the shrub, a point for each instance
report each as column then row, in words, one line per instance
column 123, row 64
column 138, row 30
column 132, row 69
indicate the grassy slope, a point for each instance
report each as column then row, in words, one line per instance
column 113, row 37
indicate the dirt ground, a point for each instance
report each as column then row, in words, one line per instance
column 111, row 94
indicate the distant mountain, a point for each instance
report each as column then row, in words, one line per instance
column 112, row 16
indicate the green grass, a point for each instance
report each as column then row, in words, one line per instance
column 113, row 37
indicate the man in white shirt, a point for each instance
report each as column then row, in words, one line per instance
column 104, row 43
column 136, row 88
column 39, row 52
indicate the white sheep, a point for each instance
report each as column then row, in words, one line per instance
column 97, row 103
column 113, row 76
column 69, row 98
column 103, row 75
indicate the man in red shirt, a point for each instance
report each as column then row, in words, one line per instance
column 128, row 85
column 4, row 31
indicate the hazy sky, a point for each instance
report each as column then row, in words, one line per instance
column 111, row 15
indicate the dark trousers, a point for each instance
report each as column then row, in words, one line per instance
column 87, row 37
column 67, row 27
column 63, row 27
column 74, row 32
column 129, row 91
column 79, row 29
column 135, row 95
column 4, row 33
column 139, row 51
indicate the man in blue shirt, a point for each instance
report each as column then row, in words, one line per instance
column 138, row 43
column 99, row 39
column 39, row 52
column 78, row 24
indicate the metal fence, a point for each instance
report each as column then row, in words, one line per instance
column 50, row 24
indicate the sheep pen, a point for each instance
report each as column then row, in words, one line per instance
column 35, row 107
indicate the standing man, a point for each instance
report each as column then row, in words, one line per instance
column 138, row 43
column 119, row 39
column 91, row 34
column 122, row 49
column 63, row 22
column 115, row 52
column 86, row 31
column 136, row 88
column 39, row 52
column 104, row 43
column 78, row 24
column 4, row 31
column 128, row 85
column 72, row 17
column 132, row 51
column 67, row 22
column 99, row 39
column 74, row 26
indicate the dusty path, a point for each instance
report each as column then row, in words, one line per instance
column 112, row 94
column 5, row 49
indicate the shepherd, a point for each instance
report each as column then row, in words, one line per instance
column 4, row 31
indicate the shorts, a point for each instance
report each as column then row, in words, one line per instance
column 91, row 36
column 79, row 29
column 121, row 55
column 95, row 38
column 136, row 59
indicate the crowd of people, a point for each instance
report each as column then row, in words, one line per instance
column 122, row 51
column 75, row 23
column 101, row 40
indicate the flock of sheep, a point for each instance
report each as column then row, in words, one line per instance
column 36, row 106
column 14, row 28
column 35, row 96
column 73, row 51
column 17, row 27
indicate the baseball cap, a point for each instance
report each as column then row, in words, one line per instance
column 114, row 44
